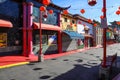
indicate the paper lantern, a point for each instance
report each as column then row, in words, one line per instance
column 79, row 22
column 75, row 25
column 118, row 12
column 92, row 2
column 50, row 11
column 101, row 16
column 65, row 11
column 42, row 8
column 45, row 14
column 94, row 24
column 89, row 20
column 82, row 11
column 103, row 9
column 46, row 2
column 84, row 25
column 118, row 22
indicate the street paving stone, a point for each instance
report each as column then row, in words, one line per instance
column 78, row 66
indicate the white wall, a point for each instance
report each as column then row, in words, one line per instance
column 80, row 27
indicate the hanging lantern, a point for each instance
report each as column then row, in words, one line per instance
column 92, row 2
column 84, row 25
column 101, row 17
column 118, row 12
column 103, row 9
column 82, row 11
column 118, row 22
column 75, row 25
column 50, row 11
column 65, row 11
column 42, row 8
column 79, row 22
column 89, row 20
column 94, row 24
column 45, row 14
column 46, row 2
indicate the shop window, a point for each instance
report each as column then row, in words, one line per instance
column 3, row 40
column 52, row 39
column 73, row 21
column 65, row 19
column 44, row 39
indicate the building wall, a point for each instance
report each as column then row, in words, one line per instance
column 80, row 27
column 67, row 43
column 11, row 11
column 69, row 25
column 98, row 35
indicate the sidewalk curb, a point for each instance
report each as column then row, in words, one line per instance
column 12, row 65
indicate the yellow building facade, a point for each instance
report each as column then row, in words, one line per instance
column 68, row 22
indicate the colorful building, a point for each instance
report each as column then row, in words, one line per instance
column 70, row 36
column 98, row 35
column 85, row 28
column 20, row 31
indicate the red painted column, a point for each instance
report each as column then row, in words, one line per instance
column 104, row 36
column 24, row 31
column 30, row 43
column 59, row 36
column 59, row 42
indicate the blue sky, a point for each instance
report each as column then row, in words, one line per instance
column 92, row 12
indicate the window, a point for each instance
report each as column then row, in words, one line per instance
column 65, row 19
column 73, row 21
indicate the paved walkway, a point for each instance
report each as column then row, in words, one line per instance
column 80, row 66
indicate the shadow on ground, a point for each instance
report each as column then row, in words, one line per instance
column 80, row 72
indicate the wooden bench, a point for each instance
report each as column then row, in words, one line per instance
column 111, row 60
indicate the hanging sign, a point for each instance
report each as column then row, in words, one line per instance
column 104, row 22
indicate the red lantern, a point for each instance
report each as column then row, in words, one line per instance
column 45, row 14
column 92, row 2
column 118, row 12
column 82, row 11
column 89, row 20
column 75, row 25
column 94, row 24
column 118, row 22
column 65, row 11
column 103, row 9
column 46, row 2
column 101, row 17
column 84, row 25
column 42, row 8
column 50, row 11
column 79, row 22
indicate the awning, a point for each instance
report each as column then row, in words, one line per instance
column 4, row 23
column 46, row 27
column 74, row 35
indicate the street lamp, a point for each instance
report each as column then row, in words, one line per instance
column 42, row 9
column 40, row 55
column 92, row 3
